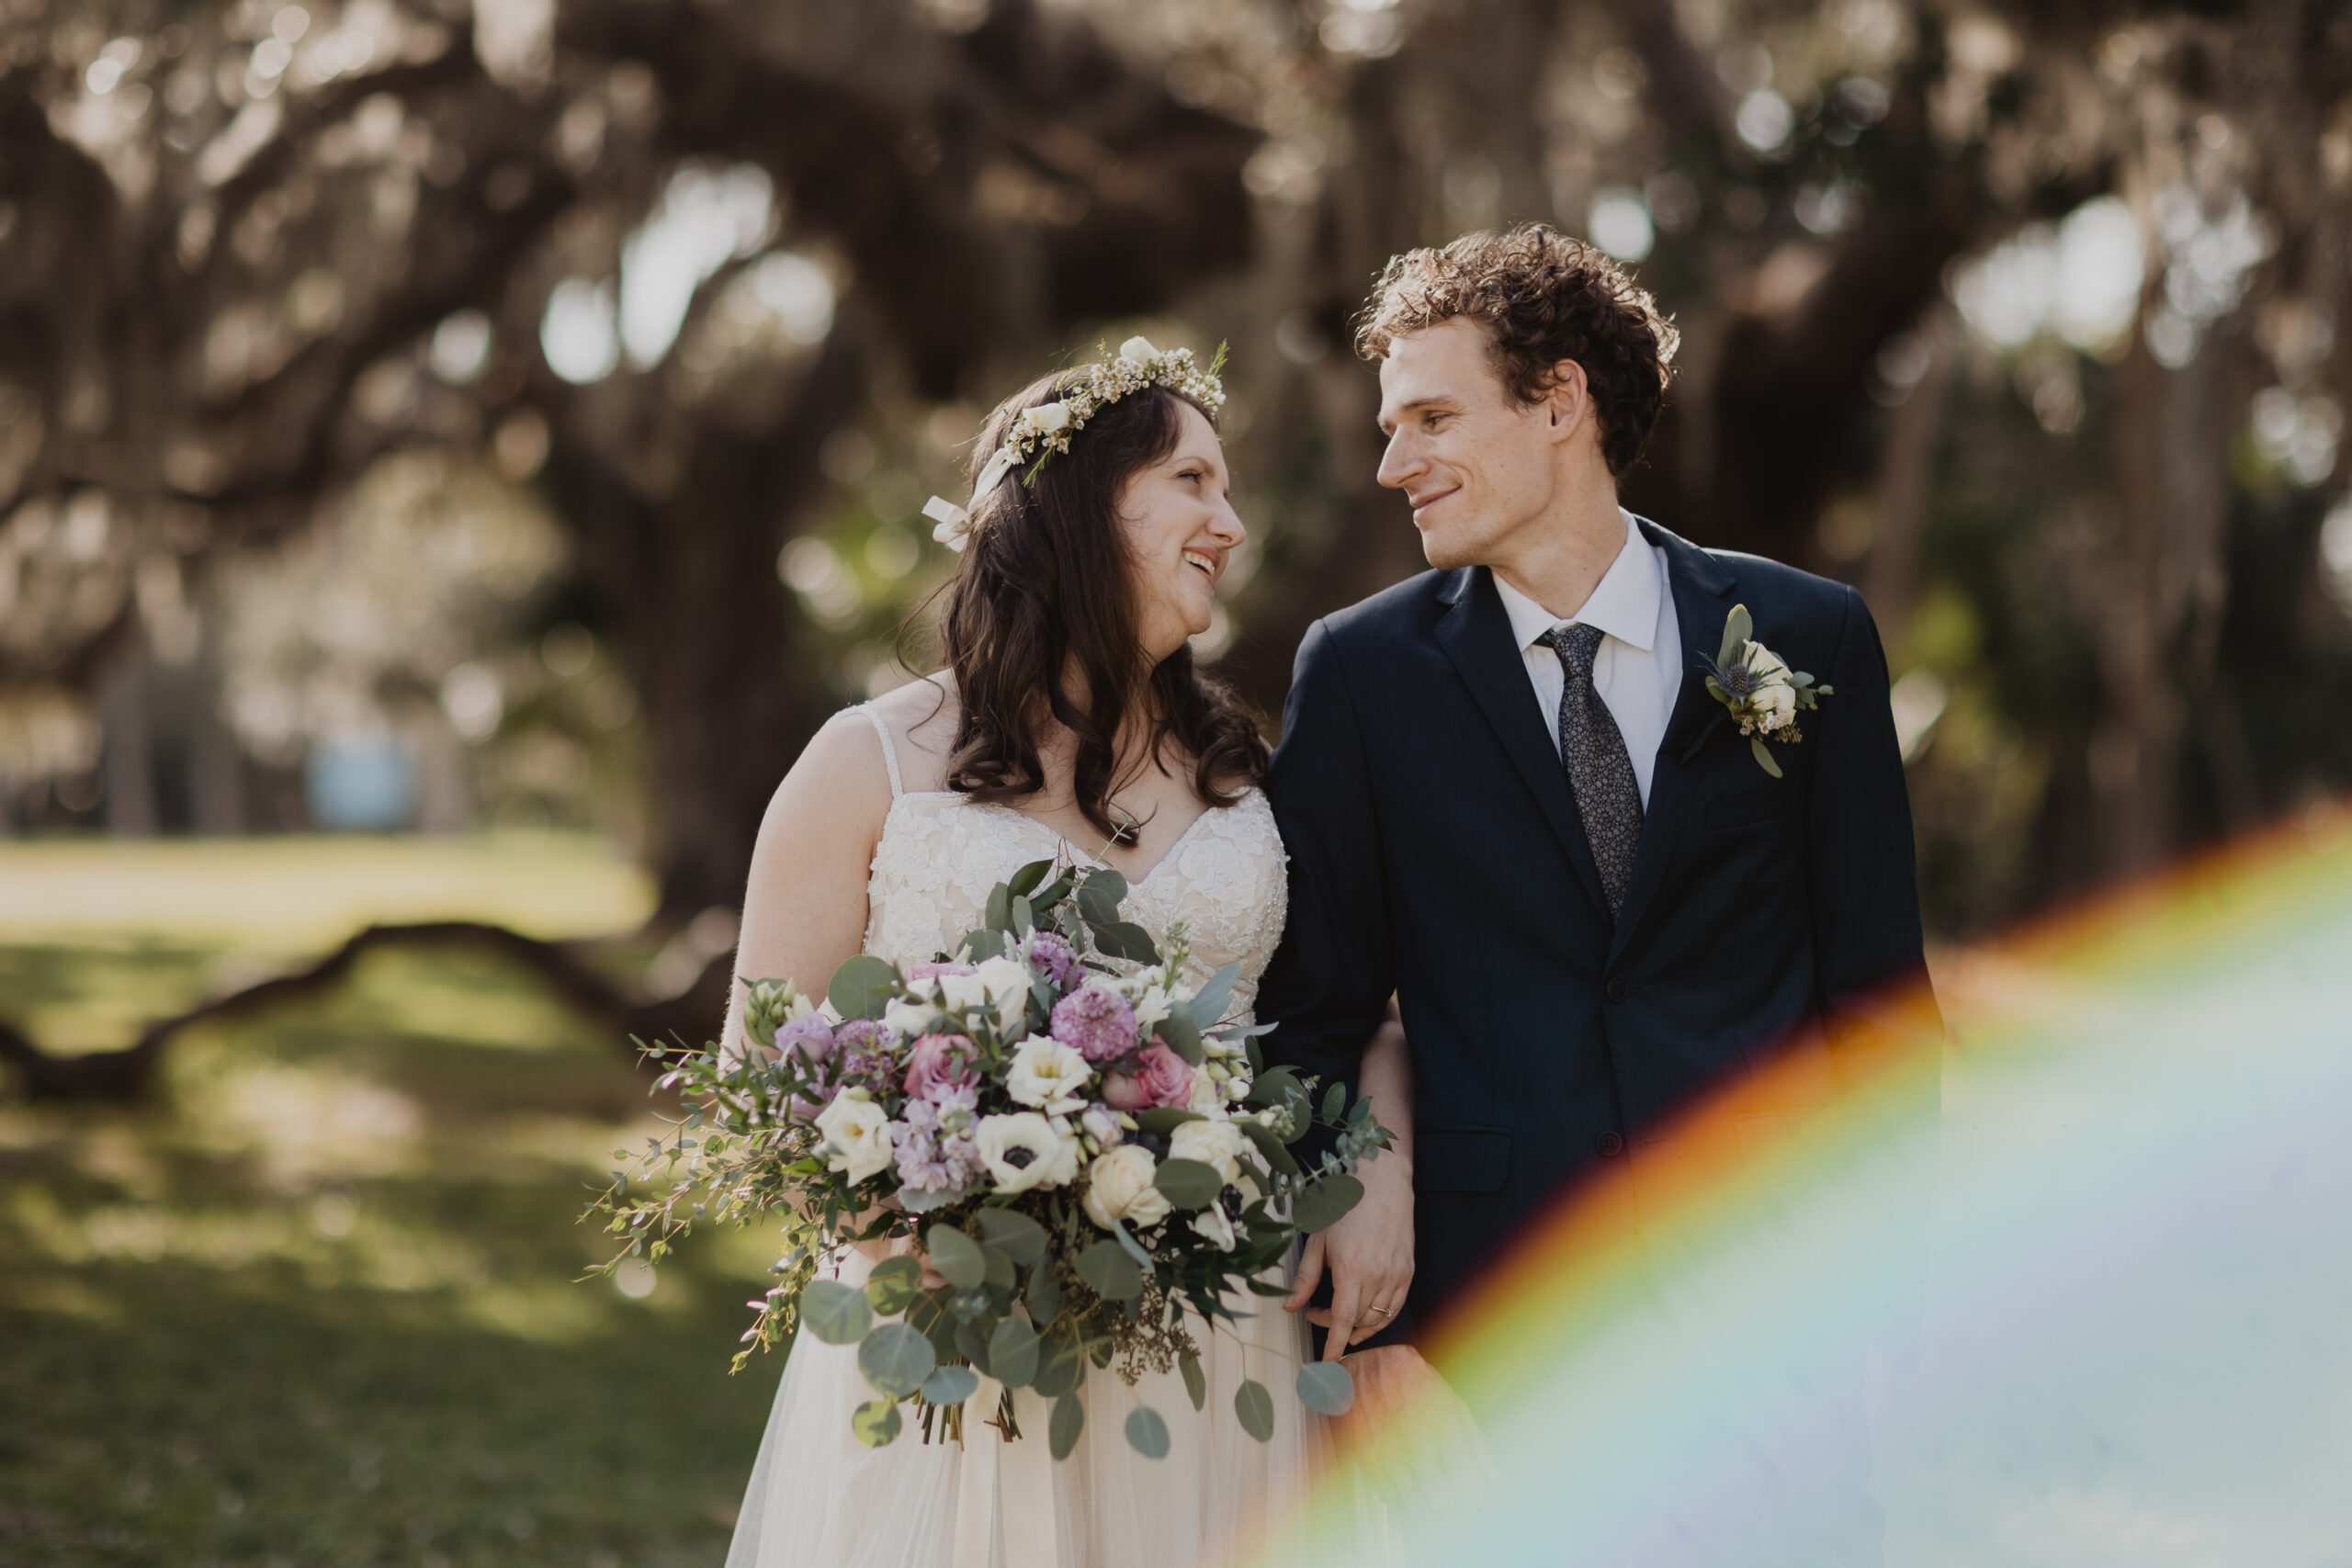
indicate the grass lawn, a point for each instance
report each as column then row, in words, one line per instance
column 316, row 1303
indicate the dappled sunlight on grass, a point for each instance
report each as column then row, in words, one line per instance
column 320, row 1299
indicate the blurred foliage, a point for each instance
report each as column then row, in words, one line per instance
column 554, row 387
column 318, row 1302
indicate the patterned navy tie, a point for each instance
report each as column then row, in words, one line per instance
column 1600, row 770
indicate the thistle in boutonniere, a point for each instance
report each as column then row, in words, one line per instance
column 1763, row 693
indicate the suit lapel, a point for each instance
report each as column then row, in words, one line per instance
column 1475, row 635
column 1702, row 587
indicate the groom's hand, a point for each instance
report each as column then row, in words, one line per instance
column 1370, row 1255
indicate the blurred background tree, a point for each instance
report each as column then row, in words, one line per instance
column 417, row 414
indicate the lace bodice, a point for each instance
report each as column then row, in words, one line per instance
column 941, row 852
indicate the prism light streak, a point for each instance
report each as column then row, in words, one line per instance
column 2098, row 1310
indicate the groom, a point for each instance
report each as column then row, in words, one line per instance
column 1511, row 803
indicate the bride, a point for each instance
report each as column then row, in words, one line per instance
column 1069, row 723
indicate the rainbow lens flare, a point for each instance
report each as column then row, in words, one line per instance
column 2097, row 1309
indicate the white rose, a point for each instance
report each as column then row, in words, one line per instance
column 1119, row 1187
column 964, row 993
column 1138, row 351
column 857, row 1136
column 1046, row 418
column 1761, row 661
column 1775, row 707
column 908, row 1017
column 1211, row 1223
column 1218, row 1145
column 1024, row 1150
column 1048, row 1075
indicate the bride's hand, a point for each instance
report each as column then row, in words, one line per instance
column 1369, row 1253
column 1411, row 1433
column 882, row 1248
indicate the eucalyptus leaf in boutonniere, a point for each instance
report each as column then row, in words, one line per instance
column 1763, row 693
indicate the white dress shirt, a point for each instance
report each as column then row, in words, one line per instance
column 1638, row 669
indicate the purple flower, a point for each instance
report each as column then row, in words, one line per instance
column 869, row 1055
column 809, row 1035
column 1055, row 960
column 933, row 1147
column 1096, row 1022
column 940, row 1061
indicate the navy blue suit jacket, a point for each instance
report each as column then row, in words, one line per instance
column 1436, row 854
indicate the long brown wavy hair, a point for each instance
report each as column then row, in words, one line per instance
column 1046, row 590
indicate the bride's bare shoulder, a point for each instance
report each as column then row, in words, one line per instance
column 924, row 715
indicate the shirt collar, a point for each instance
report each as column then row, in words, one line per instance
column 1623, row 603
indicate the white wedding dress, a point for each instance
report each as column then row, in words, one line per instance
column 820, row 1499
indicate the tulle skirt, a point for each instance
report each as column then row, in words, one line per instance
column 818, row 1498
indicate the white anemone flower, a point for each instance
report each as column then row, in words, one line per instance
column 1024, row 1150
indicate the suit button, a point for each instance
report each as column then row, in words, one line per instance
column 1616, row 988
column 1608, row 1145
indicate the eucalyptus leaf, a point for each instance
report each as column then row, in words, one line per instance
column 1276, row 1085
column 1335, row 1100
column 875, row 1423
column 1187, row 1183
column 1130, row 1245
column 1255, row 1405
column 930, row 1316
column 950, row 1385
column 1182, row 1036
column 1045, row 1295
column 983, row 945
column 1124, row 939
column 1325, row 1200
column 1146, row 1433
column 895, row 1357
column 1022, row 1238
column 1024, row 919
column 1100, row 894
column 1166, row 1117
column 835, row 1313
column 1029, row 878
column 1209, row 1002
column 1107, row 1267
column 1001, row 1274
column 958, row 1257
column 862, row 986
column 1277, row 1155
column 1012, row 1353
column 893, row 1285
column 1325, row 1388
column 922, row 1201
column 1764, row 755
column 1738, row 628
column 1069, row 1420
column 1196, row 1382
column 972, row 1342
column 998, row 913
column 1060, row 1366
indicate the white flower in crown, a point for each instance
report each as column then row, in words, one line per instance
column 1037, row 433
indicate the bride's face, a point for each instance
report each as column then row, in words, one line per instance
column 1180, row 532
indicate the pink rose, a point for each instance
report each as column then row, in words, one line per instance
column 1160, row 1078
column 939, row 1062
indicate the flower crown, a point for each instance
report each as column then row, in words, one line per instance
column 1046, row 429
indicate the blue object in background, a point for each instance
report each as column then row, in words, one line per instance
column 360, row 785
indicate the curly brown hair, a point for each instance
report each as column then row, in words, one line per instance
column 1543, row 297
column 1045, row 590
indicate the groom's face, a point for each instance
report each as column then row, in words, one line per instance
column 1476, row 462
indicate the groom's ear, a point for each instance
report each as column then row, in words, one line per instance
column 1568, row 400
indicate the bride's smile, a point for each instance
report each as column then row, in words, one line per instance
column 1181, row 530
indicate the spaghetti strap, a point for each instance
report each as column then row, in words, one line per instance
column 889, row 749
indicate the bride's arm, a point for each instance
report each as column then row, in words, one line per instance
column 804, row 905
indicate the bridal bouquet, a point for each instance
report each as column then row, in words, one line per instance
column 1080, row 1151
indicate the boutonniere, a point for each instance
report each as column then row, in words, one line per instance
column 1763, row 693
